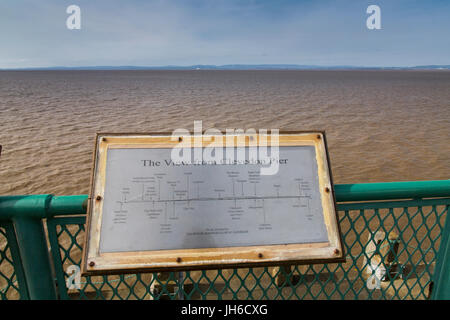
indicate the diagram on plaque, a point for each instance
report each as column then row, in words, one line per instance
column 151, row 203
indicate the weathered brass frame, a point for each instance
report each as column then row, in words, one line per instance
column 95, row 262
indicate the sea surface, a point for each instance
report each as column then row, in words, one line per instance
column 380, row 125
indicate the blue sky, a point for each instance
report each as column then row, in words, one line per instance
column 187, row 32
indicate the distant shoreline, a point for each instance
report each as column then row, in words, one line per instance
column 277, row 67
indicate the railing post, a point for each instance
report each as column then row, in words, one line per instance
column 26, row 213
column 34, row 254
column 441, row 286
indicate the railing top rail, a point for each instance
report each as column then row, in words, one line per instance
column 44, row 206
column 41, row 206
column 392, row 190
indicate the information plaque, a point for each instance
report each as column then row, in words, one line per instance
column 216, row 207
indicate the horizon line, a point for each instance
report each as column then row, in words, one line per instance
column 232, row 67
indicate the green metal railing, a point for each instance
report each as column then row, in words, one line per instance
column 396, row 235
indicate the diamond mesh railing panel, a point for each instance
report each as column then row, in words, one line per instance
column 391, row 250
column 10, row 267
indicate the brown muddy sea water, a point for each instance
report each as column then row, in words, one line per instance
column 380, row 125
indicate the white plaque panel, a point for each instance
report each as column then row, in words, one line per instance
column 208, row 205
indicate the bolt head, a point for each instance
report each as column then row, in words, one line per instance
column 91, row 264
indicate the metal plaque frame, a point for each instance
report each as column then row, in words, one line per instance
column 96, row 262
